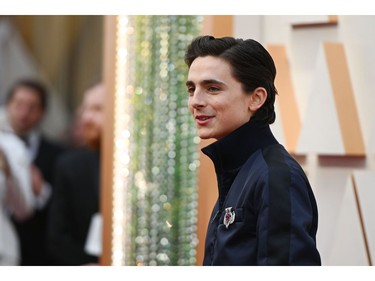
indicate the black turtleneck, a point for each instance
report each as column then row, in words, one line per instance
column 231, row 152
column 266, row 213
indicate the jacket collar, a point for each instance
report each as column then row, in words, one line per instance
column 231, row 152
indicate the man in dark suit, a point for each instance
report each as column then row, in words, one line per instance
column 26, row 105
column 75, row 201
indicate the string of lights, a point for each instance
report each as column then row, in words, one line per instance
column 163, row 145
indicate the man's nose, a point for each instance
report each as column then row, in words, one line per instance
column 198, row 100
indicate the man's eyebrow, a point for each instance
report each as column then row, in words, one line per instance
column 189, row 83
column 205, row 82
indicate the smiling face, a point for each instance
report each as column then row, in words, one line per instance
column 216, row 99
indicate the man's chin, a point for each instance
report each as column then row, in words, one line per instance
column 91, row 141
column 21, row 130
column 205, row 135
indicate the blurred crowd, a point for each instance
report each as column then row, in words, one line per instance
column 49, row 189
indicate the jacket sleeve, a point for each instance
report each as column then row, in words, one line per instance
column 19, row 197
column 287, row 219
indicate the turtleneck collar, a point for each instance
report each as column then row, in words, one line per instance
column 231, row 152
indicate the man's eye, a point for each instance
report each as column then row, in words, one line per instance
column 190, row 90
column 213, row 89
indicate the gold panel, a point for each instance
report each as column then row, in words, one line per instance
column 108, row 135
column 344, row 99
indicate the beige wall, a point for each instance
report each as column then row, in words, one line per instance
column 343, row 235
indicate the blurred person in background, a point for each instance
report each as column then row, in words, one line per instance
column 75, row 201
column 26, row 105
column 16, row 197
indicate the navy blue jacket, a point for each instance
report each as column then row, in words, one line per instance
column 271, row 216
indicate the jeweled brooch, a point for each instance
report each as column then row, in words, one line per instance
column 229, row 216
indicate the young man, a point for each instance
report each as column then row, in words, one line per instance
column 266, row 212
column 75, row 201
column 26, row 106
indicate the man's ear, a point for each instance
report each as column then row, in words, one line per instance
column 257, row 99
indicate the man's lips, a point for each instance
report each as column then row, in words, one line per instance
column 203, row 119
